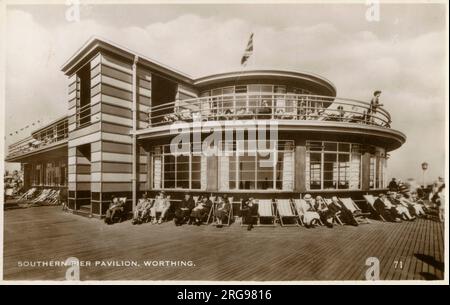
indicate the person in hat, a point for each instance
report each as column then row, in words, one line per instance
column 115, row 207
column 345, row 214
column 414, row 207
column 222, row 210
column 402, row 210
column 307, row 208
column 201, row 210
column 326, row 216
column 393, row 186
column 142, row 209
column 374, row 105
column 161, row 205
column 386, row 209
column 183, row 210
column 249, row 211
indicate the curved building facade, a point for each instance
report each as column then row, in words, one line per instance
column 135, row 125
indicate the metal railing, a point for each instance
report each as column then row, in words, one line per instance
column 83, row 115
column 269, row 106
column 44, row 137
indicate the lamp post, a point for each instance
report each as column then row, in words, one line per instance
column 424, row 168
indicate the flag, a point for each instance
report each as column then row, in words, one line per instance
column 248, row 51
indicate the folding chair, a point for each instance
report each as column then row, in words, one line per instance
column 230, row 212
column 284, row 210
column 359, row 216
column 266, row 211
column 336, row 217
column 370, row 199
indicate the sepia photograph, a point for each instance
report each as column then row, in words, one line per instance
column 224, row 143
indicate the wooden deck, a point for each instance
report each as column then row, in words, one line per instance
column 407, row 250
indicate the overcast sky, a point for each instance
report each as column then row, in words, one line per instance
column 403, row 55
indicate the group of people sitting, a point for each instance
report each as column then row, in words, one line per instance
column 392, row 207
column 398, row 206
column 314, row 212
column 188, row 211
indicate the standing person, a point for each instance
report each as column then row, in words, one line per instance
column 183, row 210
column 374, row 105
column 440, row 201
column 249, row 212
column 393, row 186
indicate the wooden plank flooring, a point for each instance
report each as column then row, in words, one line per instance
column 407, row 250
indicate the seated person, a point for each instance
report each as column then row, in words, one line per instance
column 222, row 209
column 344, row 214
column 264, row 112
column 249, row 212
column 201, row 210
column 386, row 209
column 402, row 210
column 183, row 210
column 325, row 214
column 142, row 209
column 310, row 215
column 115, row 207
column 160, row 205
column 413, row 206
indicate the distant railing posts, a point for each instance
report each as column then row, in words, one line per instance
column 269, row 106
column 44, row 137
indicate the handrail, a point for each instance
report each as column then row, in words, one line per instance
column 269, row 106
column 49, row 135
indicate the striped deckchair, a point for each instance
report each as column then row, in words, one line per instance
column 370, row 199
column 336, row 217
column 265, row 211
column 298, row 205
column 284, row 209
column 359, row 216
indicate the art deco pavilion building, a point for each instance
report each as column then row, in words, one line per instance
column 122, row 108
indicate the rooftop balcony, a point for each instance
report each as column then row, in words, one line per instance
column 46, row 137
column 249, row 106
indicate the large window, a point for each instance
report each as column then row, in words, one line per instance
column 172, row 171
column 246, row 167
column 377, row 170
column 333, row 165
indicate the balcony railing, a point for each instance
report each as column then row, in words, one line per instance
column 247, row 106
column 83, row 116
column 44, row 137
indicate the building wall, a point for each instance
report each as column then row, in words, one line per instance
column 110, row 164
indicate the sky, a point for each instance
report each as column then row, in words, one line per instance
column 403, row 54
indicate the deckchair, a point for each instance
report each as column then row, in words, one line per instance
column 298, row 203
column 28, row 194
column 359, row 216
column 211, row 210
column 336, row 217
column 265, row 211
column 229, row 216
column 284, row 209
column 370, row 199
column 41, row 196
